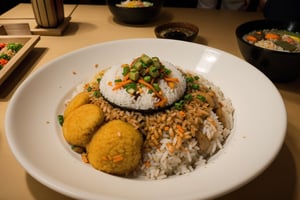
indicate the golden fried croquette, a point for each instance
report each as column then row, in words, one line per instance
column 79, row 100
column 115, row 148
column 80, row 125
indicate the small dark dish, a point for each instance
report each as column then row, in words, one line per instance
column 139, row 15
column 278, row 66
column 177, row 30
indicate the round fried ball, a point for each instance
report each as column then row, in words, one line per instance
column 81, row 124
column 79, row 100
column 115, row 148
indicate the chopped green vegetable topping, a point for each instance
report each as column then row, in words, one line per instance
column 146, row 59
column 89, row 89
column 189, row 79
column 147, row 78
column 138, row 65
column 167, row 71
column 131, row 86
column 134, row 75
column 97, row 94
column 195, row 86
column 156, row 62
column 14, row 46
column 200, row 97
column 179, row 105
column 126, row 70
column 5, row 56
column 156, row 87
column 130, row 90
column 188, row 97
column 153, row 71
column 60, row 119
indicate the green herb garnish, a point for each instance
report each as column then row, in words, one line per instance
column 60, row 119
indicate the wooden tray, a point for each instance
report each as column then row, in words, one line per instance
column 28, row 41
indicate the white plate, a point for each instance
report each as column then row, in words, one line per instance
column 35, row 137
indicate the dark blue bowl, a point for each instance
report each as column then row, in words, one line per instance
column 135, row 15
column 276, row 65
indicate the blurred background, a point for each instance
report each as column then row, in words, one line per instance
column 273, row 9
column 8, row 4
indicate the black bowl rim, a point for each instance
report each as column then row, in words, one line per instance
column 261, row 21
column 179, row 24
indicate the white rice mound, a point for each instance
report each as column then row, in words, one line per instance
column 145, row 101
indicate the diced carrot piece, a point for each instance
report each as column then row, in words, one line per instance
column 182, row 113
column 170, row 147
column 251, row 38
column 180, row 129
column 3, row 61
column 272, row 36
column 166, row 128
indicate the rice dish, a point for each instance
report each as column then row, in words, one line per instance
column 134, row 4
column 275, row 39
column 145, row 100
column 177, row 138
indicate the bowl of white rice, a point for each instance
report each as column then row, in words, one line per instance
column 272, row 46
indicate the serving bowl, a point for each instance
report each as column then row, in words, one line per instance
column 177, row 30
column 74, row 178
column 135, row 15
column 278, row 66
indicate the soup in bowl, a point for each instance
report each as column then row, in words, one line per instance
column 271, row 46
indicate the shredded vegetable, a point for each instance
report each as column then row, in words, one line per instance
column 7, row 51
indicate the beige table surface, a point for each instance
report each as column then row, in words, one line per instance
column 94, row 24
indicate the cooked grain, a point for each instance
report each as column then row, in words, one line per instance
column 182, row 126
